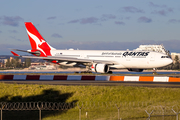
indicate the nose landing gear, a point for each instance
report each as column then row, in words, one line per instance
column 154, row 71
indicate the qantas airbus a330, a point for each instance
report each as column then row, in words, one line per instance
column 100, row 61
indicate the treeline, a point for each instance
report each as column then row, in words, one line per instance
column 15, row 63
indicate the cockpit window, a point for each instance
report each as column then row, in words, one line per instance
column 165, row 57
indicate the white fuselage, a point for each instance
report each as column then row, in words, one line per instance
column 122, row 59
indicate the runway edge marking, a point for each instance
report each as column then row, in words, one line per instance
column 92, row 78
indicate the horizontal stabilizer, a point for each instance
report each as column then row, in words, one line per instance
column 36, row 52
column 21, row 50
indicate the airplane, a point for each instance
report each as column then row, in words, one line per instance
column 99, row 61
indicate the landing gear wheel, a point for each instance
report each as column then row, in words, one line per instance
column 86, row 72
column 110, row 72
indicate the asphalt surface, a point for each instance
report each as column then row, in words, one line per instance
column 98, row 83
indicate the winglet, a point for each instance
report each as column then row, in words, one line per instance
column 15, row 54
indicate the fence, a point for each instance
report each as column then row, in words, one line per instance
column 88, row 111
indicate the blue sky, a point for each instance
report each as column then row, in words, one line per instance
column 91, row 24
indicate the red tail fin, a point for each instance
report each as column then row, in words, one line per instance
column 37, row 41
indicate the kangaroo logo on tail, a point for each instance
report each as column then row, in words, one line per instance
column 37, row 41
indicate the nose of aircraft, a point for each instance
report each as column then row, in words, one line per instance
column 169, row 61
column 165, row 61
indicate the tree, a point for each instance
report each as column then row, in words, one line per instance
column 13, row 63
column 8, row 63
column 17, row 63
column 176, row 64
column 27, row 62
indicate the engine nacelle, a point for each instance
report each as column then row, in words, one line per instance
column 100, row 68
column 68, row 64
column 36, row 52
column 135, row 70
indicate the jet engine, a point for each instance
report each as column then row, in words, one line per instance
column 100, row 68
column 36, row 52
column 68, row 64
column 135, row 70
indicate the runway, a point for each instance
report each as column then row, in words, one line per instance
column 98, row 83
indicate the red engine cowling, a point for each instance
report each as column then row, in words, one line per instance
column 100, row 68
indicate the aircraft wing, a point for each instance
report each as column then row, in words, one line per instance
column 67, row 59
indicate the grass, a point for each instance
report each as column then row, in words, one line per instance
column 98, row 101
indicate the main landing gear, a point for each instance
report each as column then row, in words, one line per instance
column 88, row 70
